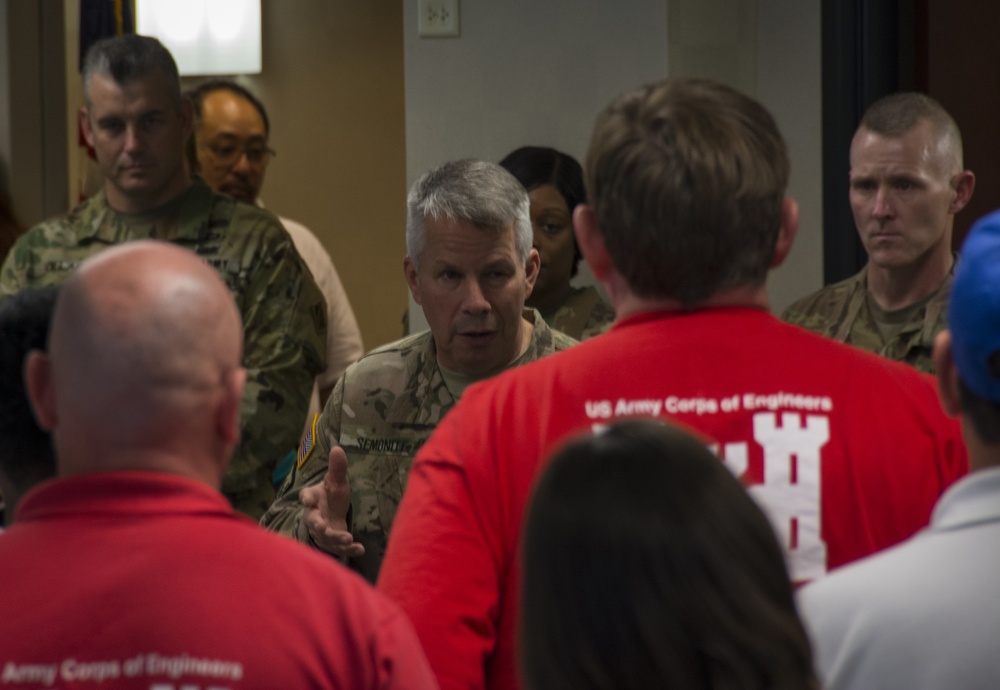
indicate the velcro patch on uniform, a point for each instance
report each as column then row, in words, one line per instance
column 306, row 447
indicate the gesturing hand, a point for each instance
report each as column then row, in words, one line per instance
column 326, row 505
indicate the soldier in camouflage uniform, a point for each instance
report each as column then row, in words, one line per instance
column 583, row 314
column 137, row 124
column 554, row 181
column 471, row 266
column 845, row 311
column 906, row 184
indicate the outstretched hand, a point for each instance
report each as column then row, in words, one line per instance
column 326, row 505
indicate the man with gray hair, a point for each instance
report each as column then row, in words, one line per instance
column 470, row 265
column 907, row 182
column 137, row 123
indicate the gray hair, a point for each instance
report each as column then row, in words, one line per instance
column 129, row 57
column 478, row 192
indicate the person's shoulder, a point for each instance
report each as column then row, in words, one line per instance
column 561, row 341
column 545, row 339
column 46, row 243
column 393, row 364
column 301, row 235
column 601, row 316
column 809, row 346
column 582, row 315
column 64, row 227
column 52, row 233
column 863, row 585
column 824, row 304
column 313, row 253
column 253, row 216
column 238, row 216
column 589, row 300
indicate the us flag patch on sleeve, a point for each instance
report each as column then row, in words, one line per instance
column 306, row 447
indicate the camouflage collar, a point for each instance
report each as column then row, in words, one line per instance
column 191, row 210
column 426, row 398
column 933, row 313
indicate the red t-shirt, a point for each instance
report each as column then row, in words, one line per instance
column 149, row 580
column 847, row 452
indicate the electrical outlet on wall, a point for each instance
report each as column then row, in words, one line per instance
column 437, row 18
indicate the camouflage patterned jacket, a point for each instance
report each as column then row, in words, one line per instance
column 284, row 316
column 583, row 315
column 840, row 311
column 381, row 411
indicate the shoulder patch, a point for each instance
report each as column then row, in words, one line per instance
column 306, row 447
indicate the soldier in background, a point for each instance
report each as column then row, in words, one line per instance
column 230, row 149
column 137, row 123
column 554, row 181
column 470, row 265
column 907, row 183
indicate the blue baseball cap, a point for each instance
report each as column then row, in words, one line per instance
column 974, row 309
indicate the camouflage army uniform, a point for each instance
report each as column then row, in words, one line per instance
column 381, row 411
column 582, row 315
column 284, row 316
column 840, row 311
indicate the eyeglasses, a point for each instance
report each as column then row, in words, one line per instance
column 229, row 154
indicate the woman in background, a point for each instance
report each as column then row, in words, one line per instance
column 554, row 182
column 647, row 565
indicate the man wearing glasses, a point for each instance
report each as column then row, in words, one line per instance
column 137, row 123
column 230, row 150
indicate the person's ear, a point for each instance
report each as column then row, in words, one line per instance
column 410, row 271
column 531, row 268
column 228, row 411
column 38, row 384
column 786, row 231
column 83, row 116
column 946, row 373
column 591, row 242
column 964, row 183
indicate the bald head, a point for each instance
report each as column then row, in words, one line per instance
column 143, row 365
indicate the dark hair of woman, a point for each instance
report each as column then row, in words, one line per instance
column 648, row 565
column 534, row 166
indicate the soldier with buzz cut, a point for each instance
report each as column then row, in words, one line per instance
column 907, row 182
column 471, row 266
column 137, row 123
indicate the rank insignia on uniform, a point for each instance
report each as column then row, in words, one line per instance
column 306, row 447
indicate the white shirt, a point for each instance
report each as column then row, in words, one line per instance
column 924, row 614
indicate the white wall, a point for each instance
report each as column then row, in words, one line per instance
column 523, row 72
column 789, row 83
